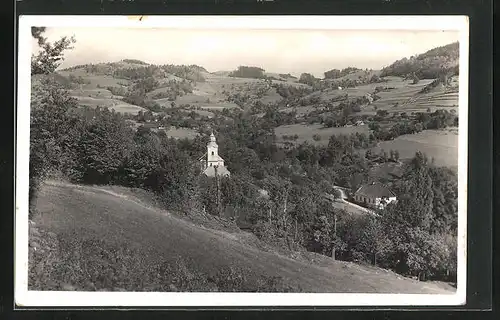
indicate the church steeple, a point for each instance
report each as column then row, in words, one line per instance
column 213, row 164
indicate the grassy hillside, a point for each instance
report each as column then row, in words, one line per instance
column 112, row 238
column 441, row 145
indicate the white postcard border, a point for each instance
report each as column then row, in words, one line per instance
column 23, row 297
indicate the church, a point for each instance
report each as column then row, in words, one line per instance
column 211, row 162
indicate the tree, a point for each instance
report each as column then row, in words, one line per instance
column 174, row 179
column 103, row 145
column 54, row 133
column 415, row 79
column 50, row 55
column 308, row 78
column 332, row 74
column 396, row 155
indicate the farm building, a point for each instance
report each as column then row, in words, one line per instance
column 211, row 162
column 374, row 195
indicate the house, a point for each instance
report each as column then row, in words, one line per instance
column 211, row 163
column 374, row 195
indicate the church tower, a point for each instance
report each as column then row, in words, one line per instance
column 213, row 163
column 213, row 152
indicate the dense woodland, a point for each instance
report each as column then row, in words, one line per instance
column 415, row 236
column 428, row 65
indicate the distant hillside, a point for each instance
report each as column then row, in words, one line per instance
column 429, row 65
column 336, row 73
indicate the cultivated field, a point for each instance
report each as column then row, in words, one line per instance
column 117, row 105
column 181, row 133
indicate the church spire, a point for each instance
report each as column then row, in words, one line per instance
column 212, row 137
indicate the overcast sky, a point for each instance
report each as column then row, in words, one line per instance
column 283, row 51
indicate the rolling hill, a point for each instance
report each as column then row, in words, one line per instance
column 192, row 88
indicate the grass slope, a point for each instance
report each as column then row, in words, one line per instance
column 101, row 232
column 442, row 145
column 306, row 132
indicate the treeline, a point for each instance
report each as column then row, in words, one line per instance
column 135, row 61
column 333, row 82
column 191, row 72
column 248, row 72
column 438, row 119
column 287, row 76
column 336, row 73
column 287, row 91
column 117, row 70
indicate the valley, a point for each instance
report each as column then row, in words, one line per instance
column 169, row 177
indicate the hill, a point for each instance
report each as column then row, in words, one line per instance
column 113, row 238
column 428, row 65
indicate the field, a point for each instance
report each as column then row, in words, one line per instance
column 181, row 133
column 442, row 145
column 113, row 239
column 117, row 105
column 306, row 132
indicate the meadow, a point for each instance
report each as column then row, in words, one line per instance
column 181, row 133
column 441, row 145
column 307, row 131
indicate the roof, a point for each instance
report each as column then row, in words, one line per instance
column 375, row 190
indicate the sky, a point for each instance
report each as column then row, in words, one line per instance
column 280, row 51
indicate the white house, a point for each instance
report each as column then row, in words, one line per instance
column 374, row 195
column 211, row 162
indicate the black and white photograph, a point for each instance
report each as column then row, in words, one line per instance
column 241, row 161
